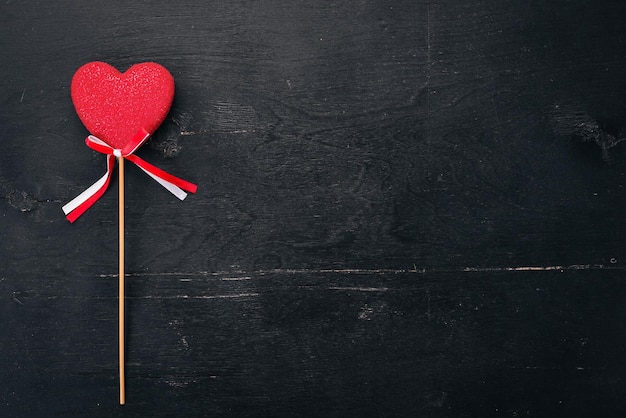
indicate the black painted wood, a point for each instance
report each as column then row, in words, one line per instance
column 405, row 209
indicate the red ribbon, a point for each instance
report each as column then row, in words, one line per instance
column 75, row 208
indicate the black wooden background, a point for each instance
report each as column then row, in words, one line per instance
column 405, row 208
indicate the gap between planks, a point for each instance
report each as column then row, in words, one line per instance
column 248, row 275
column 240, row 275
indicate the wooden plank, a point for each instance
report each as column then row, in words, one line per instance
column 340, row 343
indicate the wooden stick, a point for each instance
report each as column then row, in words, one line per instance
column 121, row 280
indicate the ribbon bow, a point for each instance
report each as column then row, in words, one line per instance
column 77, row 206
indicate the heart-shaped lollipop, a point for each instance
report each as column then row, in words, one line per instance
column 122, row 110
column 114, row 106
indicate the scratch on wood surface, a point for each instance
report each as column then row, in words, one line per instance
column 16, row 299
column 555, row 368
column 360, row 289
column 444, row 270
column 226, row 296
column 188, row 133
column 233, row 131
column 542, row 268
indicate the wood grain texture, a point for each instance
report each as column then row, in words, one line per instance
column 404, row 209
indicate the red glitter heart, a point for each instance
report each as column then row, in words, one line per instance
column 114, row 106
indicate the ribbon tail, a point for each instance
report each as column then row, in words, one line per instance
column 77, row 206
column 173, row 184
